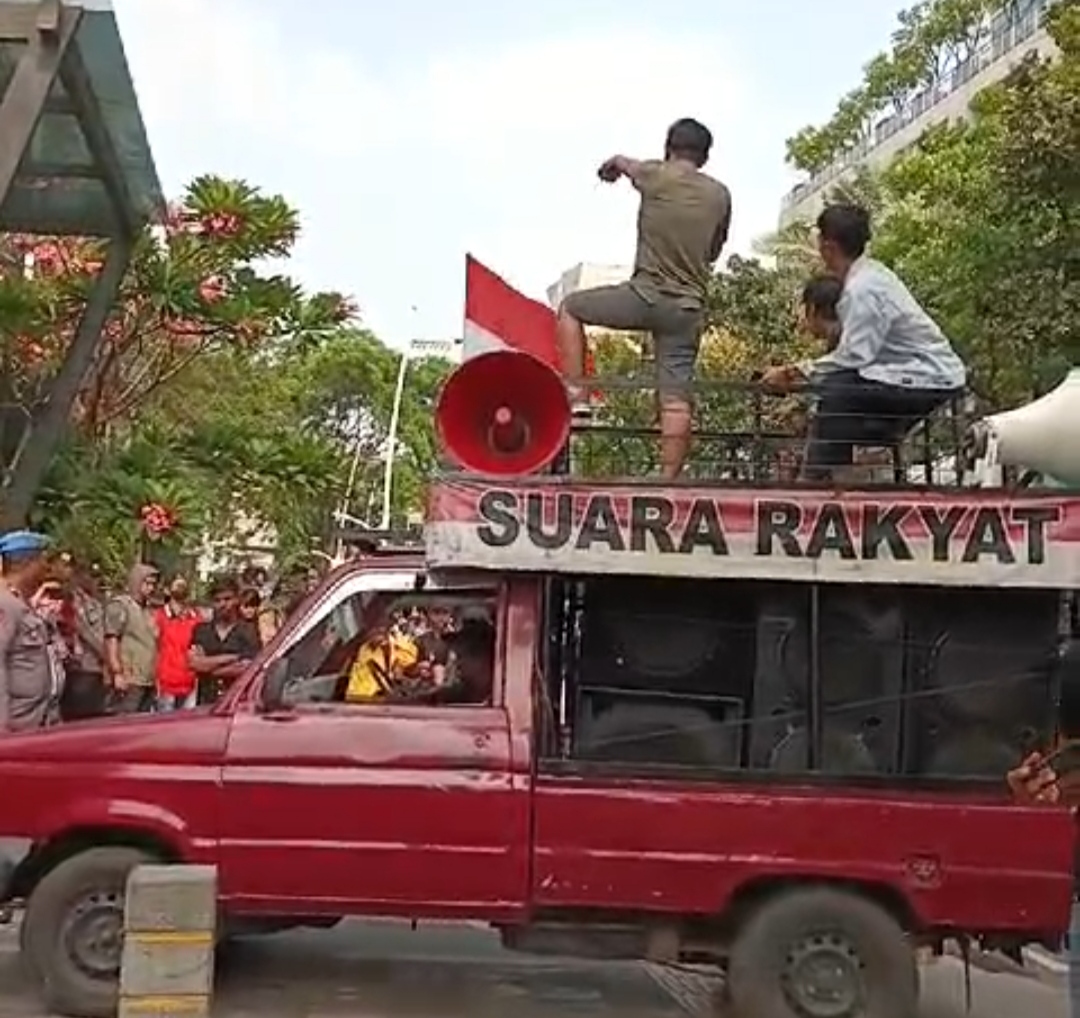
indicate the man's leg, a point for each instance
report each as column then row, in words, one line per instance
column 619, row 308
column 834, row 429
column 677, row 335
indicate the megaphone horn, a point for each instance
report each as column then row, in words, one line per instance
column 1044, row 435
column 504, row 413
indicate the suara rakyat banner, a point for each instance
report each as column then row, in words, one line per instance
column 966, row 538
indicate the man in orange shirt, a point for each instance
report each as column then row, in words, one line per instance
column 176, row 621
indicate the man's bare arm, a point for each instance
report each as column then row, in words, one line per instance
column 621, row 166
column 208, row 664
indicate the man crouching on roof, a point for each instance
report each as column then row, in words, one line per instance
column 683, row 223
column 892, row 366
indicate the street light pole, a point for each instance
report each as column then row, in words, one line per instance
column 391, row 439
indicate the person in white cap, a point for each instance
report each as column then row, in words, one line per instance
column 31, row 673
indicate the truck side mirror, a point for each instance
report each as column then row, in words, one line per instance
column 275, row 683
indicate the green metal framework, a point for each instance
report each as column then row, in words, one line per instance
column 74, row 161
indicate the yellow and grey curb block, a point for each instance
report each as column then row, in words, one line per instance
column 170, row 918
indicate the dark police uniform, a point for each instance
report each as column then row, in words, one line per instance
column 31, row 672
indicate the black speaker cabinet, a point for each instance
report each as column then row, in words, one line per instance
column 982, row 662
column 860, row 653
column 668, row 636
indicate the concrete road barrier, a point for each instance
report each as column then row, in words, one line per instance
column 170, row 920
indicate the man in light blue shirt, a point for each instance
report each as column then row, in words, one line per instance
column 892, row 366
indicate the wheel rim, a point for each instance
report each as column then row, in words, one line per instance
column 823, row 977
column 93, row 934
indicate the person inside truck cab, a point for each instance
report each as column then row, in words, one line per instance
column 384, row 659
column 892, row 366
column 471, row 669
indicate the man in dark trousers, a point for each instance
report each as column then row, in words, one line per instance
column 224, row 646
column 892, row 366
column 683, row 224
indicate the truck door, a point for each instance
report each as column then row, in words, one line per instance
column 337, row 804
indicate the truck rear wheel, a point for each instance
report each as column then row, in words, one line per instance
column 822, row 953
column 73, row 931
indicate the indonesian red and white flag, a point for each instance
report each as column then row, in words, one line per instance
column 498, row 317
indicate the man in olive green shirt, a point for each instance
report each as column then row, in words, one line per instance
column 131, row 644
column 683, row 224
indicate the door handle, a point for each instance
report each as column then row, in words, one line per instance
column 481, row 741
column 280, row 717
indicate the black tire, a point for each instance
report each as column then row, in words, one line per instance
column 93, row 884
column 770, row 970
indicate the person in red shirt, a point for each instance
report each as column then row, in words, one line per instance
column 176, row 621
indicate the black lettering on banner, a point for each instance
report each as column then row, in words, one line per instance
column 703, row 529
column 600, row 525
column 778, row 521
column 1036, row 519
column 501, row 526
column 942, row 526
column 831, row 533
column 534, row 520
column 651, row 516
column 881, row 526
column 988, row 536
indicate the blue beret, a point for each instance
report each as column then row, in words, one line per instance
column 22, row 541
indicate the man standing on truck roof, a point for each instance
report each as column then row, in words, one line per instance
column 683, row 224
column 31, row 673
column 891, row 368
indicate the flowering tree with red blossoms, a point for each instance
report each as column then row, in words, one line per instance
column 193, row 287
column 197, row 294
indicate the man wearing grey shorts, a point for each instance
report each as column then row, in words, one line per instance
column 683, row 223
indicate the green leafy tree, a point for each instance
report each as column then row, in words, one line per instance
column 982, row 221
column 933, row 39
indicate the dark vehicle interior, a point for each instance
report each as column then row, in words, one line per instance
column 876, row 682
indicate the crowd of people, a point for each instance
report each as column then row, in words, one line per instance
column 71, row 649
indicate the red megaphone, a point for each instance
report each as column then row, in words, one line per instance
column 504, row 413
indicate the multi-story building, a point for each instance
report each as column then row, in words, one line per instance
column 1014, row 32
column 584, row 276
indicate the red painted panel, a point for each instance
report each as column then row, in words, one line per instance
column 683, row 848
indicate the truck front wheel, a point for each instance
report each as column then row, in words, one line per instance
column 73, row 931
column 822, row 953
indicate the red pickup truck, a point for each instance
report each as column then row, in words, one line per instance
column 516, row 803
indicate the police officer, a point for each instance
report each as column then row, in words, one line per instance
column 31, row 673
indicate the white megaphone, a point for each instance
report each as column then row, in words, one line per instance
column 1043, row 436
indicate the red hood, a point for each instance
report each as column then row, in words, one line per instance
column 159, row 773
column 139, row 738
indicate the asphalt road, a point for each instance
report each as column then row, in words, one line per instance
column 380, row 970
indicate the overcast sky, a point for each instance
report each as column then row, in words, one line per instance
column 409, row 133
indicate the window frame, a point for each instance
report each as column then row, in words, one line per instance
column 402, row 582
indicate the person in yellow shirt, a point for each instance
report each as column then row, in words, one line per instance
column 383, row 660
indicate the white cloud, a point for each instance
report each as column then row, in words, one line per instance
column 398, row 175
